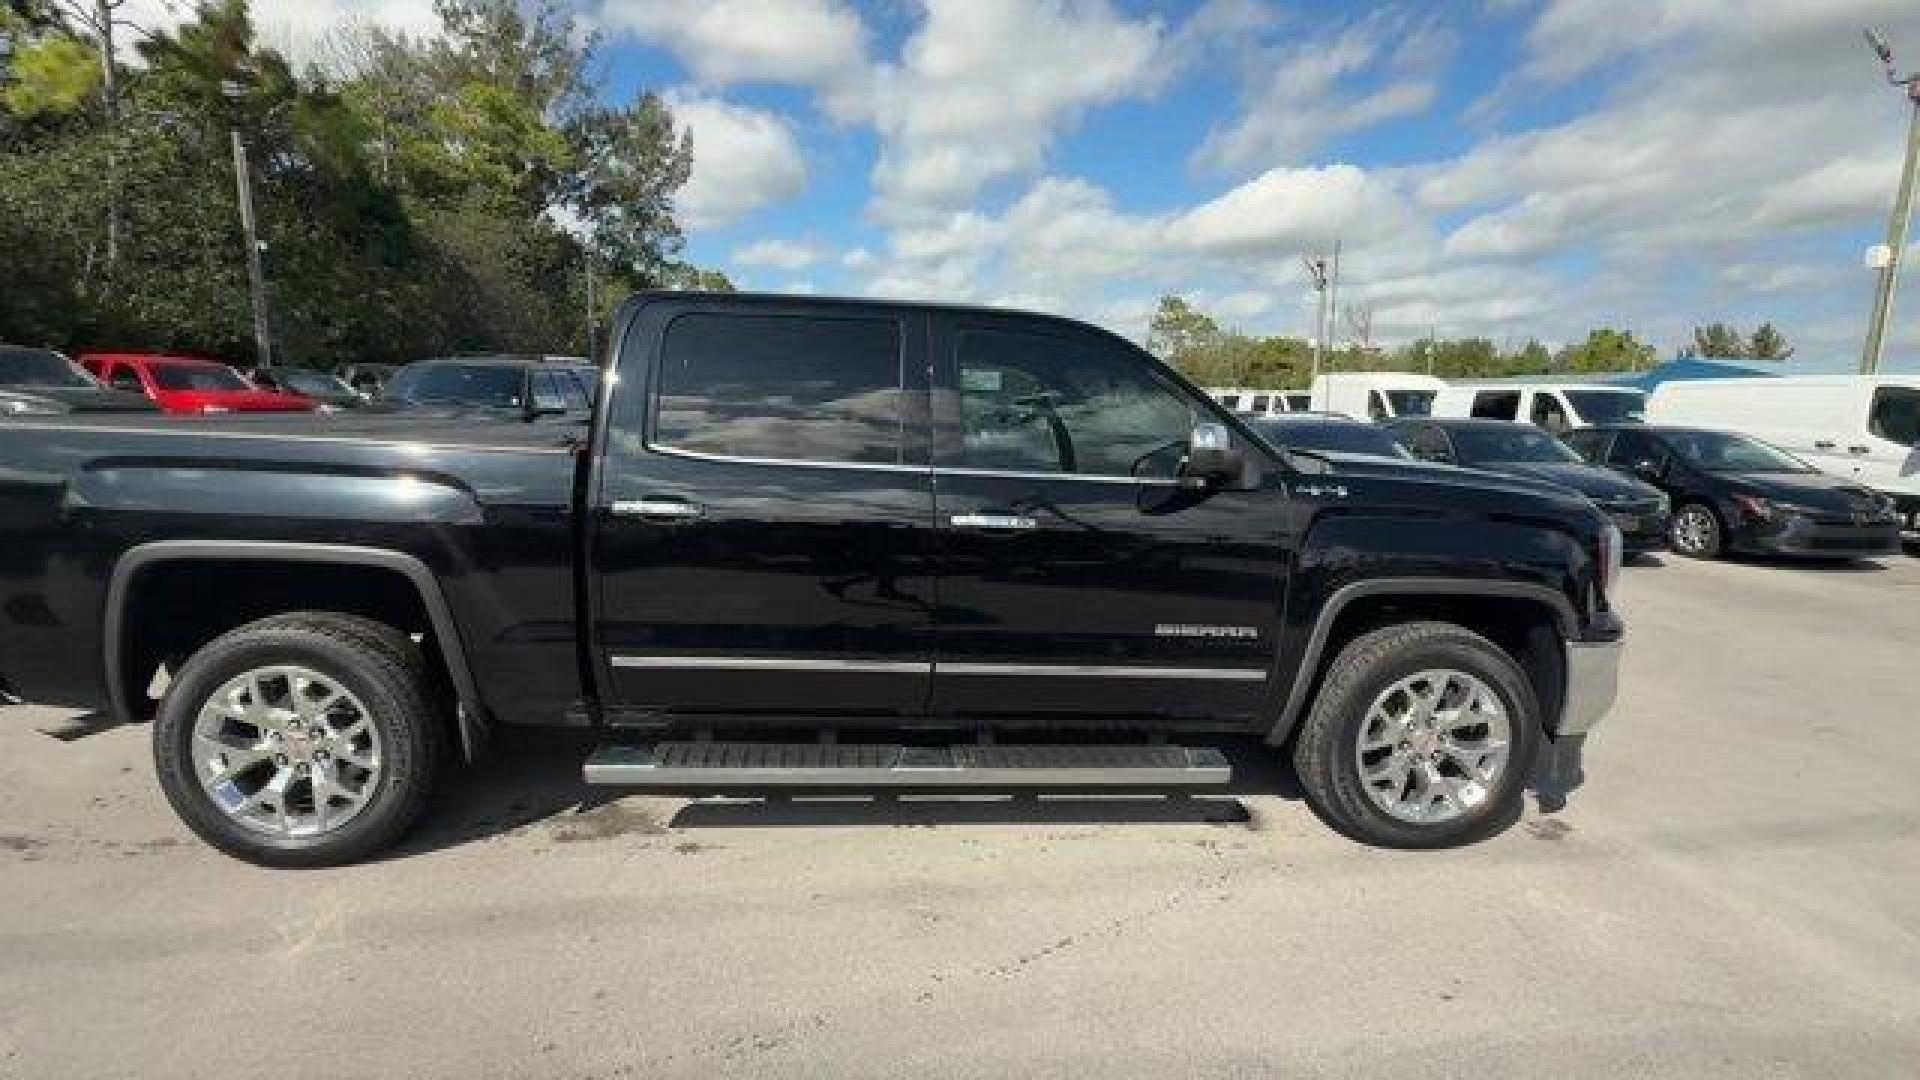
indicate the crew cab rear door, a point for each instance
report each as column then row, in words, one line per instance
column 763, row 523
column 1077, row 573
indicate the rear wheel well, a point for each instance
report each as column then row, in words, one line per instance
column 1527, row 630
column 185, row 604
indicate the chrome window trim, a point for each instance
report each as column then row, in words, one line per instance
column 810, row 463
column 923, row 667
column 937, row 470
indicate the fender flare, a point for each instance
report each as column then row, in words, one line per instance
column 1565, row 619
column 470, row 715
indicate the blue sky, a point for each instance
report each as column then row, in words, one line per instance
column 1511, row 168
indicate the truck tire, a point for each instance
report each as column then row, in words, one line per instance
column 306, row 739
column 1421, row 737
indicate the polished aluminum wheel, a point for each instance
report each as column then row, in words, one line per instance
column 287, row 751
column 1434, row 746
column 1693, row 531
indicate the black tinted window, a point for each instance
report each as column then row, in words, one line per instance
column 803, row 388
column 1896, row 414
column 1427, row 443
column 1034, row 402
column 1497, row 404
column 1589, row 444
column 1631, row 448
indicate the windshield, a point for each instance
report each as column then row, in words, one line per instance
column 1332, row 438
column 39, row 367
column 487, row 385
column 1411, row 402
column 1608, row 406
column 1724, row 451
column 197, row 377
column 1507, row 443
column 303, row 381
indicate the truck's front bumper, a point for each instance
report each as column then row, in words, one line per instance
column 1593, row 680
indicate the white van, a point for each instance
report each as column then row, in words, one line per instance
column 1250, row 402
column 1863, row 427
column 1374, row 395
column 1558, row 407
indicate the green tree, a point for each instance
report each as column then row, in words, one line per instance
column 1606, row 350
column 1767, row 343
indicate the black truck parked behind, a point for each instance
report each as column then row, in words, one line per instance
column 957, row 547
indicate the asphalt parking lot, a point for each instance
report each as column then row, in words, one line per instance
column 1734, row 892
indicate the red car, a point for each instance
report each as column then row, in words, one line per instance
column 185, row 384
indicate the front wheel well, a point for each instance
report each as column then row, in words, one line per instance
column 1524, row 628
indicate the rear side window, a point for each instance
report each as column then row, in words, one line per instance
column 1547, row 412
column 126, row 378
column 1260, row 403
column 1896, row 414
column 797, row 388
column 1496, row 404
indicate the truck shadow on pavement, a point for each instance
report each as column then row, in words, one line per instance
column 530, row 779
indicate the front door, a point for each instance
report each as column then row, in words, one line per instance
column 765, row 532
column 1078, row 573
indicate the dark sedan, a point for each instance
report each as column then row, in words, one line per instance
column 1734, row 492
column 528, row 386
column 1330, row 436
column 41, row 381
column 1503, row 446
column 329, row 391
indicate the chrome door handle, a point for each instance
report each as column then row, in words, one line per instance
column 657, row 508
column 1859, row 450
column 1823, row 444
column 999, row 522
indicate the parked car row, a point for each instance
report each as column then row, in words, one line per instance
column 1699, row 491
column 43, row 381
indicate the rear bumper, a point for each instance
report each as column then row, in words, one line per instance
column 1593, row 681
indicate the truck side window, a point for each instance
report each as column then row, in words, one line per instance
column 1896, row 414
column 1496, row 404
column 794, row 387
column 546, row 391
column 1039, row 403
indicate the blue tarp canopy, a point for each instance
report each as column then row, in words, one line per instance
column 1674, row 370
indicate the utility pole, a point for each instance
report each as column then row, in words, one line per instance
column 1317, row 277
column 1902, row 210
column 256, row 278
column 110, row 89
column 1333, row 296
column 593, row 324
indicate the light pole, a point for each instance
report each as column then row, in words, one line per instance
column 1317, row 277
column 1902, row 210
column 256, row 276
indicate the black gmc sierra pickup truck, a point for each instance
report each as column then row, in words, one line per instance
column 801, row 544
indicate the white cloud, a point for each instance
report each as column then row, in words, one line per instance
column 778, row 254
column 299, row 29
column 810, row 42
column 984, row 87
column 743, row 159
column 1297, row 97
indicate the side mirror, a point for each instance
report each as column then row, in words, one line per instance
column 1211, row 455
